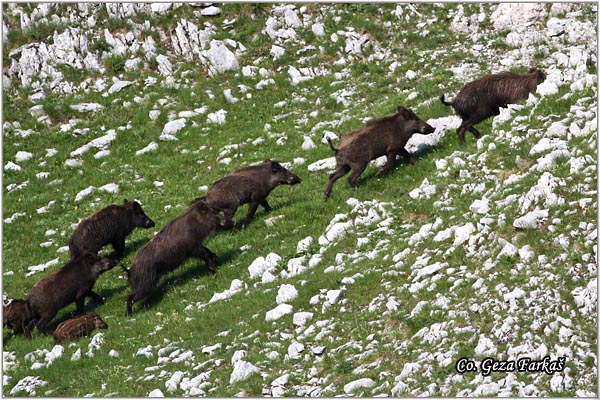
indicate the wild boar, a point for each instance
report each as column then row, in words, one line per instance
column 483, row 98
column 386, row 136
column 14, row 316
column 179, row 240
column 71, row 283
column 108, row 226
column 248, row 185
column 74, row 328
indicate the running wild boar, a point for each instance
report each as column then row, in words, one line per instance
column 71, row 283
column 75, row 328
column 108, row 226
column 248, row 185
column 178, row 241
column 483, row 98
column 14, row 316
column 386, row 136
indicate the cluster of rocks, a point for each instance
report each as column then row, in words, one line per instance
column 302, row 333
column 83, row 47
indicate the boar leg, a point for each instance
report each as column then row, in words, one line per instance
column 251, row 211
column 389, row 165
column 475, row 132
column 134, row 297
column 461, row 134
column 95, row 296
column 337, row 174
column 119, row 247
column 130, row 300
column 404, row 153
column 26, row 325
column 79, row 303
column 211, row 259
column 41, row 324
column 467, row 125
column 356, row 171
column 26, row 330
column 265, row 205
column 228, row 216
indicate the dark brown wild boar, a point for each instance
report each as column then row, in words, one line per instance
column 483, row 98
column 75, row 328
column 179, row 240
column 248, row 185
column 14, row 316
column 108, row 226
column 71, row 283
column 386, row 136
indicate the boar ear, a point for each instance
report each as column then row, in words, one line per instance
column 267, row 162
column 405, row 113
column 541, row 75
column 125, row 201
column 202, row 206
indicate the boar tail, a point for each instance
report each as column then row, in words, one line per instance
column 331, row 145
column 444, row 102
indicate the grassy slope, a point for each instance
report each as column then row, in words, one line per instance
column 193, row 161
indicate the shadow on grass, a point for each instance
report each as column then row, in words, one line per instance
column 371, row 171
column 196, row 270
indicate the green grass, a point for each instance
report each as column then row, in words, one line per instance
column 194, row 160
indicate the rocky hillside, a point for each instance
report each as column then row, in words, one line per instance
column 471, row 273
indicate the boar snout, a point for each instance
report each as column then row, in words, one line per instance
column 99, row 323
column 107, row 264
column 426, row 129
column 148, row 223
column 293, row 179
column 225, row 223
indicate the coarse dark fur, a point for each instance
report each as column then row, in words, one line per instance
column 248, row 185
column 386, row 136
column 179, row 240
column 14, row 316
column 108, row 226
column 74, row 328
column 483, row 98
column 71, row 283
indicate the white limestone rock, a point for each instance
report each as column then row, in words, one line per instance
column 286, row 293
column 278, row 312
column 220, row 58
column 171, row 128
column 242, row 370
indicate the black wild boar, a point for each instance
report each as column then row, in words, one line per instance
column 109, row 225
column 482, row 98
column 71, row 283
column 74, row 328
column 386, row 136
column 14, row 316
column 248, row 185
column 179, row 240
